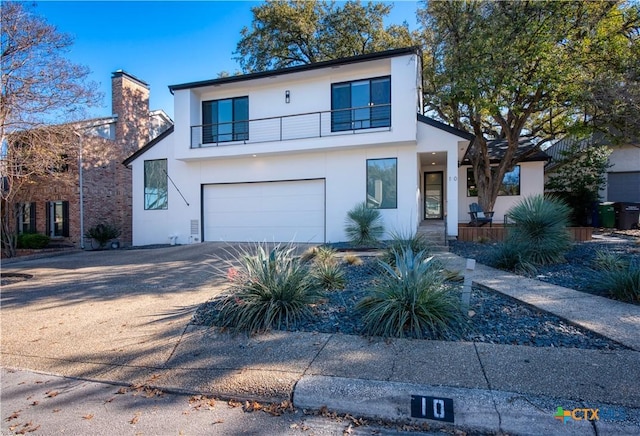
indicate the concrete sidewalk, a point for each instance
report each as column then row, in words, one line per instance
column 513, row 389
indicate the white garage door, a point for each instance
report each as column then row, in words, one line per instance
column 291, row 211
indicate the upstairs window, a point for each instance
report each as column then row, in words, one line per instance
column 225, row 120
column 26, row 217
column 361, row 104
column 156, row 187
column 510, row 183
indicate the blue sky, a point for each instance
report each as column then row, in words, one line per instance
column 161, row 42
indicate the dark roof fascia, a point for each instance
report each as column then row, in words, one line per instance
column 538, row 156
column 447, row 128
column 298, row 68
column 147, row 146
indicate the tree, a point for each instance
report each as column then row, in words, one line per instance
column 38, row 85
column 296, row 32
column 580, row 176
column 503, row 69
column 612, row 94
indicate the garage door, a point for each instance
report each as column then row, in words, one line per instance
column 291, row 211
column 624, row 187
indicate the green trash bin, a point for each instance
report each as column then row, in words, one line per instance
column 607, row 214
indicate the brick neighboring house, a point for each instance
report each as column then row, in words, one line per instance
column 100, row 146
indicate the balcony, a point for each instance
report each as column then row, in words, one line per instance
column 365, row 119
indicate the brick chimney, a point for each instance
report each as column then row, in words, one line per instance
column 130, row 102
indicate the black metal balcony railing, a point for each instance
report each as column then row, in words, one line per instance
column 299, row 126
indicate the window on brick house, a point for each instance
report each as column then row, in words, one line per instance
column 26, row 217
column 58, row 219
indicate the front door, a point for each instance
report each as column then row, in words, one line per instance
column 433, row 193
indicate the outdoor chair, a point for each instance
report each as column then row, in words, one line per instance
column 478, row 217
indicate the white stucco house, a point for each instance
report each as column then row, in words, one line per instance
column 283, row 155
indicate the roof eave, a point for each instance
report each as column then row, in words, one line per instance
column 298, row 68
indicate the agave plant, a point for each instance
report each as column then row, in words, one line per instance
column 271, row 289
column 410, row 299
column 364, row 225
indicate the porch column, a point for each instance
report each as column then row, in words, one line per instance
column 452, row 194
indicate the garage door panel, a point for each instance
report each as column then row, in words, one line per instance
column 273, row 211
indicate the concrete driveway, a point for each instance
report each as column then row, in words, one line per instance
column 88, row 313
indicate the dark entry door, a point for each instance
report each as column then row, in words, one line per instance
column 433, row 193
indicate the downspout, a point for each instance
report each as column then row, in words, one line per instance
column 81, row 199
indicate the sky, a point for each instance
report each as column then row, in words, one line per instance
column 160, row 42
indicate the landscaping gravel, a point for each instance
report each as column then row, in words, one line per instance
column 497, row 319
column 576, row 273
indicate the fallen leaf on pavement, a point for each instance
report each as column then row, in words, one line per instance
column 135, row 419
column 14, row 415
column 51, row 394
column 28, row 428
column 87, row 417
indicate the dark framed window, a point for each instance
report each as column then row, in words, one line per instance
column 361, row 104
column 510, row 183
column 58, row 219
column 225, row 120
column 382, row 183
column 26, row 217
column 156, row 186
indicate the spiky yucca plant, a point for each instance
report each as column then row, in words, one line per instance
column 410, row 299
column 415, row 242
column 363, row 225
column 609, row 261
column 271, row 289
column 621, row 282
column 541, row 227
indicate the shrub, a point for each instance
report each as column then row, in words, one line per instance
column 353, row 259
column 415, row 242
column 325, row 254
column 33, row 240
column 410, row 299
column 328, row 275
column 364, row 225
column 540, row 226
column 271, row 289
column 609, row 261
column 512, row 255
column 622, row 284
column 102, row 233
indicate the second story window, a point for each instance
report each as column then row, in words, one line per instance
column 225, row 120
column 361, row 104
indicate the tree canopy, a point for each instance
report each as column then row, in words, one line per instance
column 39, row 85
column 504, row 69
column 295, row 32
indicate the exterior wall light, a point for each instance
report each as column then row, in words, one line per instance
column 287, row 96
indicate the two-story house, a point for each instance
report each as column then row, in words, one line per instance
column 283, row 155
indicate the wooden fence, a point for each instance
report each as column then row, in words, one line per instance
column 497, row 233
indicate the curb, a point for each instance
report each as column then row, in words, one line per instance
column 473, row 409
